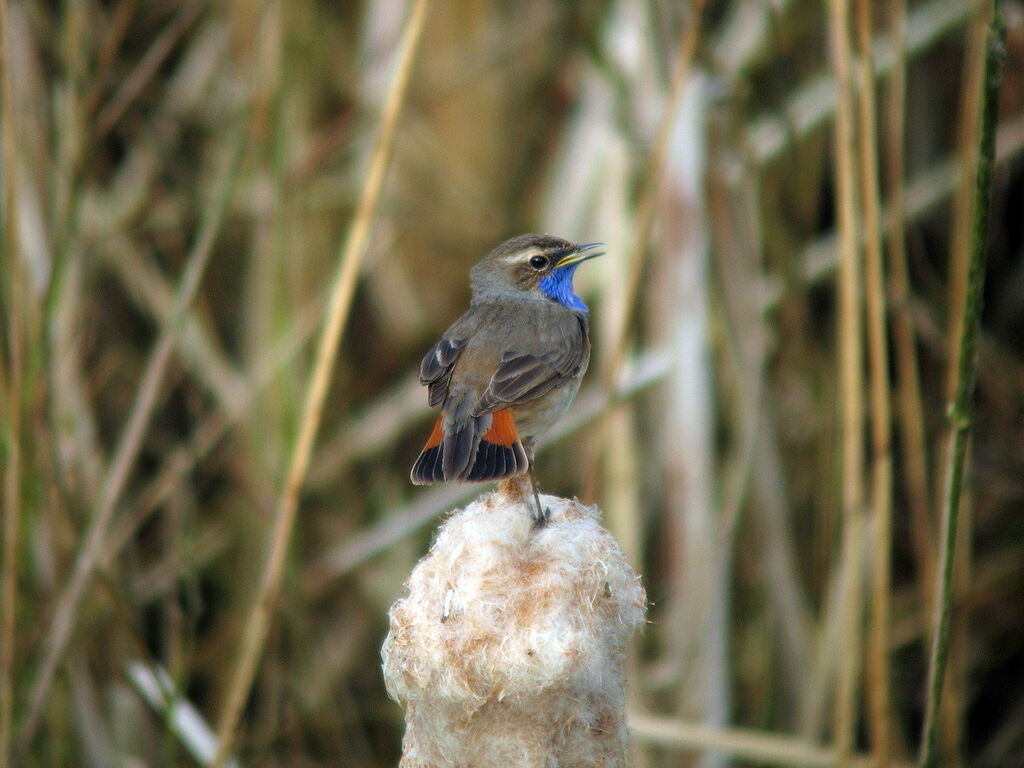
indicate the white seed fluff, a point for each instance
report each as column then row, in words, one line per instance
column 509, row 647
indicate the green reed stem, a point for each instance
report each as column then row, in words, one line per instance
column 961, row 410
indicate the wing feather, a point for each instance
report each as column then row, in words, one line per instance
column 437, row 365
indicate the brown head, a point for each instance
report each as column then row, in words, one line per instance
column 531, row 267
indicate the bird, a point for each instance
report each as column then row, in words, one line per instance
column 509, row 367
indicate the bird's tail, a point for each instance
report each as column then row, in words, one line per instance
column 483, row 448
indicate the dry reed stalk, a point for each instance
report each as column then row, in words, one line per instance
column 881, row 427
column 619, row 338
column 911, row 410
column 699, row 577
column 129, row 444
column 735, row 230
column 343, row 288
column 267, row 275
column 850, row 361
column 761, row 747
column 648, row 199
column 961, row 408
column 814, row 103
column 11, row 394
column 757, row 469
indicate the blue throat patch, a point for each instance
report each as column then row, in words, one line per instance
column 558, row 286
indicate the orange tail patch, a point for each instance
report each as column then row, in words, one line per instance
column 503, row 429
column 436, row 436
column 499, row 453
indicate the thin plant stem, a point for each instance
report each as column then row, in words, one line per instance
column 105, row 60
column 11, row 394
column 961, row 409
column 343, row 288
column 131, row 86
column 964, row 198
column 130, row 442
column 850, row 362
column 881, row 427
column 910, row 411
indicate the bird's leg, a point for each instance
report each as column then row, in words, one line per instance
column 540, row 515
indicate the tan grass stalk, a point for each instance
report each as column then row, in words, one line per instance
column 850, row 362
column 343, row 289
column 11, row 395
column 129, row 444
column 760, row 747
column 911, row 411
column 881, row 426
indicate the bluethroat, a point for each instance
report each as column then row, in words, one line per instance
column 505, row 371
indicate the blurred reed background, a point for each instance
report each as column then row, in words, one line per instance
column 180, row 180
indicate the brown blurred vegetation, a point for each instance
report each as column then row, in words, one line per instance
column 717, row 460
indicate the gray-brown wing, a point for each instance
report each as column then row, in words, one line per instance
column 531, row 369
column 437, row 365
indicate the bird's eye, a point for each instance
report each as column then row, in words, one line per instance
column 539, row 262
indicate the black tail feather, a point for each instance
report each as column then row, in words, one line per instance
column 491, row 462
column 427, row 468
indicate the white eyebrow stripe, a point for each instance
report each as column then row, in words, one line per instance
column 521, row 256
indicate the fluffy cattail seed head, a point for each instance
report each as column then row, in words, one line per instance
column 509, row 647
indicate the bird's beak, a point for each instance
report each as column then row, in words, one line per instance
column 578, row 254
